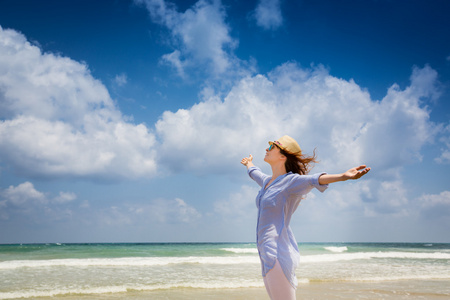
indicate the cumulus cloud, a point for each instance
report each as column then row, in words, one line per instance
column 25, row 200
column 57, row 120
column 436, row 205
column 200, row 35
column 268, row 14
column 319, row 110
column 23, row 194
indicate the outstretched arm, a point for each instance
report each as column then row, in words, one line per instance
column 247, row 161
column 353, row 173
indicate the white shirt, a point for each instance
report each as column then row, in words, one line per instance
column 276, row 204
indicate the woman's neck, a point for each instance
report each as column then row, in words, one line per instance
column 278, row 170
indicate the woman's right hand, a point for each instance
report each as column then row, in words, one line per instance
column 247, row 161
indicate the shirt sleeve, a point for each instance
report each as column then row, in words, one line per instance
column 303, row 184
column 257, row 175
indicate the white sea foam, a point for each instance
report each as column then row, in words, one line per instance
column 257, row 283
column 336, row 249
column 126, row 288
column 241, row 250
column 370, row 255
column 62, row 291
column 227, row 260
column 303, row 281
column 430, row 276
column 127, row 262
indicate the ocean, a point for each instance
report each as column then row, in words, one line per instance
column 220, row 271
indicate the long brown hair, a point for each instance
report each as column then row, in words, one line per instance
column 300, row 164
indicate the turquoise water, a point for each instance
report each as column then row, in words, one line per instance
column 45, row 270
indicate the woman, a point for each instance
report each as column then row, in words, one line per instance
column 277, row 200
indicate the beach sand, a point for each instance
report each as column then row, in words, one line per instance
column 334, row 290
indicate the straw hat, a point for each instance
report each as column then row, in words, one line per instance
column 288, row 144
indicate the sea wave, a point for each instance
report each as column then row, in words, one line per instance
column 371, row 255
column 241, row 250
column 430, row 276
column 127, row 262
column 379, row 278
column 212, row 260
column 336, row 249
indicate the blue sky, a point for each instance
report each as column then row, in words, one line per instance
column 125, row 121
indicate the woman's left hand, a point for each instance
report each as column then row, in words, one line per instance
column 353, row 173
column 357, row 172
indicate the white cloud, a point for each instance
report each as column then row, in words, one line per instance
column 174, row 59
column 319, row 110
column 23, row 194
column 47, row 86
column 25, row 200
column 65, row 197
column 60, row 121
column 268, row 14
column 161, row 11
column 200, row 34
column 121, row 79
column 436, row 205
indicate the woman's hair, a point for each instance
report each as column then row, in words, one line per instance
column 300, row 164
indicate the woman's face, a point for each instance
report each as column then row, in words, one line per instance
column 273, row 154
